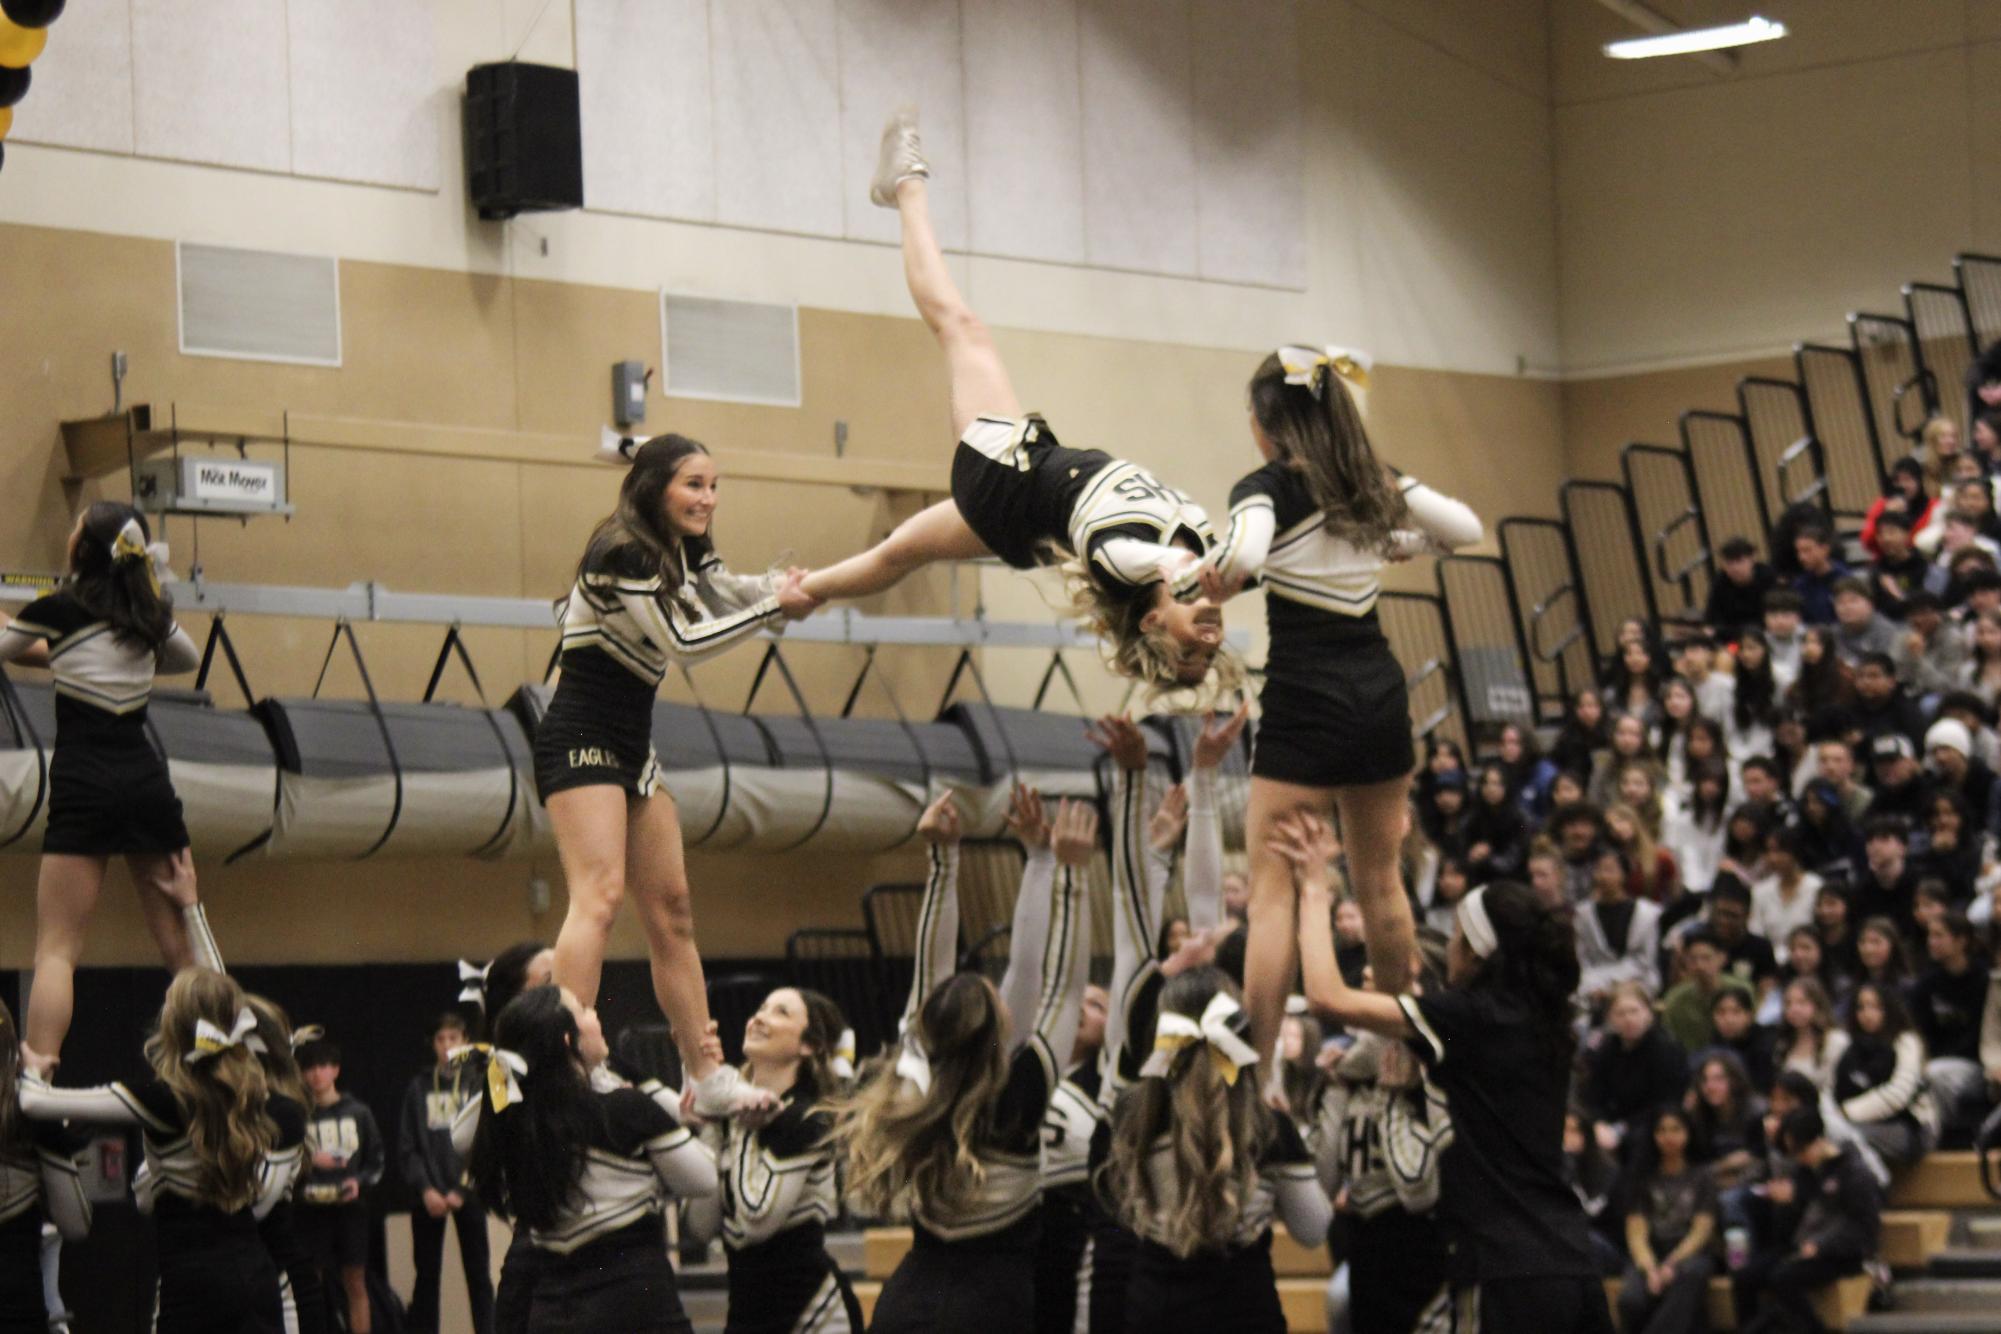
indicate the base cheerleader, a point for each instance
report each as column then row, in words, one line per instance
column 950, row 1133
column 205, row 1121
column 1497, row 1041
column 1128, row 543
column 589, row 1174
column 104, row 634
column 39, row 1182
column 650, row 593
column 1316, row 524
column 301, row 1295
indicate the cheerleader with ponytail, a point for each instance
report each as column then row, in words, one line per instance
column 205, row 1117
column 301, row 1296
column 39, row 1181
column 1497, row 1041
column 105, row 633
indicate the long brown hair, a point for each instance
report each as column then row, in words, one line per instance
column 119, row 587
column 224, row 1095
column 904, row 1146
column 635, row 534
column 1215, row 1130
column 1317, row 430
column 13, row 1126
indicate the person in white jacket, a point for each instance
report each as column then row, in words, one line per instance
column 1618, row 936
column 1785, row 897
column 1879, row 1083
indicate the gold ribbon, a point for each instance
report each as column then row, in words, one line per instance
column 1173, row 1033
column 1304, row 365
column 130, row 544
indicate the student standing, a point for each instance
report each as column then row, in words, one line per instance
column 435, row 1175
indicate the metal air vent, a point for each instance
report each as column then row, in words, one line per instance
column 259, row 305
column 739, row 351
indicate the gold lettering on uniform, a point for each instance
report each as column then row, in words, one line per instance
column 592, row 757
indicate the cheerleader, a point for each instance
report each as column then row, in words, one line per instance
column 1497, row 1040
column 105, row 633
column 1200, row 1167
column 1128, row 544
column 302, row 1299
column 650, row 593
column 950, row 1133
column 778, row 1189
column 1317, row 523
column 589, row 1174
column 39, row 1181
column 206, row 1121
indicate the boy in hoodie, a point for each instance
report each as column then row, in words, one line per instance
column 436, row 1177
column 1828, row 1218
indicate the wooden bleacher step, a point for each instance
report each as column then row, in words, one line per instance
column 1941, row 1180
column 1911, row 1237
column 1837, row 1305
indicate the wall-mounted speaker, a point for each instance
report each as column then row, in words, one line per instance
column 524, row 140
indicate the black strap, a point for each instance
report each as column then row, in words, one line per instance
column 849, row 1302
column 1058, row 667
column 10, row 703
column 965, row 665
column 218, row 636
column 772, row 657
column 454, row 646
column 342, row 628
column 722, row 757
column 903, row 721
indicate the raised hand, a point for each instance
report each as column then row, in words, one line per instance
column 1307, row 843
column 793, row 599
column 940, row 824
column 1076, row 832
column 1212, row 747
column 1120, row 737
column 1169, row 819
column 1216, row 587
column 1026, row 818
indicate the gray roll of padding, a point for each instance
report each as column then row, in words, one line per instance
column 224, row 770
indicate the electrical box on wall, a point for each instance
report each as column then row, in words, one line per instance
column 209, row 484
column 628, row 392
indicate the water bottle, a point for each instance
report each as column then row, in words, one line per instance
column 1736, row 1247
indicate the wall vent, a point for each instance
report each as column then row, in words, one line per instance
column 259, row 305
column 738, row 351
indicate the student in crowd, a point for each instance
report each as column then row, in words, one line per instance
column 435, row 1174
column 1692, row 826
column 1650, row 868
column 1879, row 1082
column 1593, row 1177
column 1754, row 705
column 1882, row 951
column 1618, row 936
column 1806, row 957
column 1887, row 882
column 1961, row 774
column 1823, row 689
column 1859, row 629
column 1726, row 1118
column 1955, row 852
column 345, row 1158
column 1827, row 1220
column 1585, row 733
column 1740, row 1035
column 1904, row 501
column 1495, row 832
column 1949, row 1002
column 1747, row 956
column 1632, row 1067
column 1819, row 572
column 1808, row 1039
column 1529, row 772
column 1931, row 651
column 1900, row 574
column 1784, row 633
column 1902, row 790
column 1670, row 1225
column 1633, row 685
column 1685, row 1010
column 1737, row 600
column 1785, row 897
column 1981, row 671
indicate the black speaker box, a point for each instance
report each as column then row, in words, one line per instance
column 524, row 141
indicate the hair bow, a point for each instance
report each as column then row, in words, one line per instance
column 1304, row 366
column 843, row 1061
column 473, row 982
column 504, row 1072
column 305, row 1033
column 912, row 1064
column 130, row 544
column 212, row 1041
column 1218, row 1027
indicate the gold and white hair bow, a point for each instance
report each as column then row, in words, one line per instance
column 912, row 1064
column 843, row 1062
column 130, row 544
column 305, row 1033
column 472, row 979
column 1217, row 1027
column 1304, row 366
column 213, row 1041
column 504, row 1072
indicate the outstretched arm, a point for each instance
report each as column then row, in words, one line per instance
column 1020, row 985
column 1135, row 909
column 177, row 654
column 1202, row 883
column 1060, row 934
column 23, row 642
column 1307, row 842
column 1441, row 523
column 938, row 919
column 686, row 639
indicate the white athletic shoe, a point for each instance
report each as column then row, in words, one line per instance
column 902, row 157
column 723, row 1092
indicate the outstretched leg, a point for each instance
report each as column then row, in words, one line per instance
column 65, row 897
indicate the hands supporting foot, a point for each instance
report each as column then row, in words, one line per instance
column 793, row 599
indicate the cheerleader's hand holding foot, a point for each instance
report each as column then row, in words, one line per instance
column 793, row 599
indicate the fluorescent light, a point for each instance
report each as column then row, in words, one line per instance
column 1696, row 39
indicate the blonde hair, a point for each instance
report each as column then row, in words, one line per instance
column 224, row 1095
column 1644, row 852
column 1215, row 1131
column 1130, row 647
column 1935, row 426
column 906, row 1147
column 281, row 1067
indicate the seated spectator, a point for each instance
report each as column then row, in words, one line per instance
column 1529, row 773
column 1804, row 958
column 1631, row 1066
column 1785, row 897
column 1654, row 875
column 1568, row 789
column 1834, row 916
column 1441, row 757
column 1630, row 745
column 1764, row 786
column 1830, row 841
column 1973, row 499
column 1879, row 1082
column 1692, row 826
column 1593, row 1177
column 1826, row 1223
column 1977, row 717
column 1417, row 858
column 1962, row 535
column 1618, row 936
column 1882, row 706
column 1685, row 1011
column 1695, row 662
column 1931, row 902
column 1954, row 850
column 1902, row 791
column 1704, row 742
column 1578, row 830
column 1737, row 600
column 1747, row 956
column 1670, row 1223
column 1938, row 445
column 1746, row 1041
column 1784, row 633
column 1584, row 736
column 1981, row 671
column 1949, row 1003
column 1904, row 503
column 1974, row 585
column 1744, row 841
column 1633, row 684
column 1669, row 732
column 1882, row 954
column 1824, row 689
column 1859, row 629
column 1887, row 882
column 1808, row 1039
column 1931, row 652
column 1818, row 573
column 1495, row 834
column 1834, row 763
column 1447, row 827
column 1546, row 876
column 1961, row 774
column 1441, row 912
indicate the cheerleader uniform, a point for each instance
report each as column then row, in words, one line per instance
column 603, row 1266
column 109, row 792
column 302, row 1299
column 778, row 1195
column 622, row 629
column 972, row 1269
column 1233, row 1288
column 38, row 1180
column 1383, row 1145
column 1020, row 492
column 215, row 1275
column 1071, row 1214
column 1335, row 711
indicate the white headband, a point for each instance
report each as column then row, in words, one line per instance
column 1477, row 926
column 912, row 1064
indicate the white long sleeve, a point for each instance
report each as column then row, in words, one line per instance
column 937, row 929
column 1447, row 523
column 1202, row 879
column 1242, row 553
column 1020, row 985
column 178, row 654
column 683, row 1164
column 1301, row 1204
column 105, row 1105
column 1136, row 561
column 14, row 643
column 690, row 641
column 1899, row 1092
column 1135, row 918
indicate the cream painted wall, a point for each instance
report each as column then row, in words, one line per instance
column 1431, row 234
column 1716, row 218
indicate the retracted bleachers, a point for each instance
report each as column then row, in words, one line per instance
column 1946, row 343
column 1790, row 459
column 1901, row 394
column 1556, row 621
column 1979, row 278
column 1669, row 522
column 1615, row 581
column 1725, row 472
column 1416, row 627
column 1486, row 637
column 1838, row 410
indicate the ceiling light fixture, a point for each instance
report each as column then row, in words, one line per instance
column 1692, row 40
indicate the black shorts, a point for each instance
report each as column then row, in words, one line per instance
column 112, row 800
column 333, row 1236
column 1015, row 486
column 598, row 730
column 1349, row 726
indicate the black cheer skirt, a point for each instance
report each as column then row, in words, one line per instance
column 985, row 1285
column 109, row 791
column 215, row 1275
column 598, row 730
column 1233, row 1290
column 621, row 1282
column 789, row 1283
column 21, row 1309
column 1343, row 722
